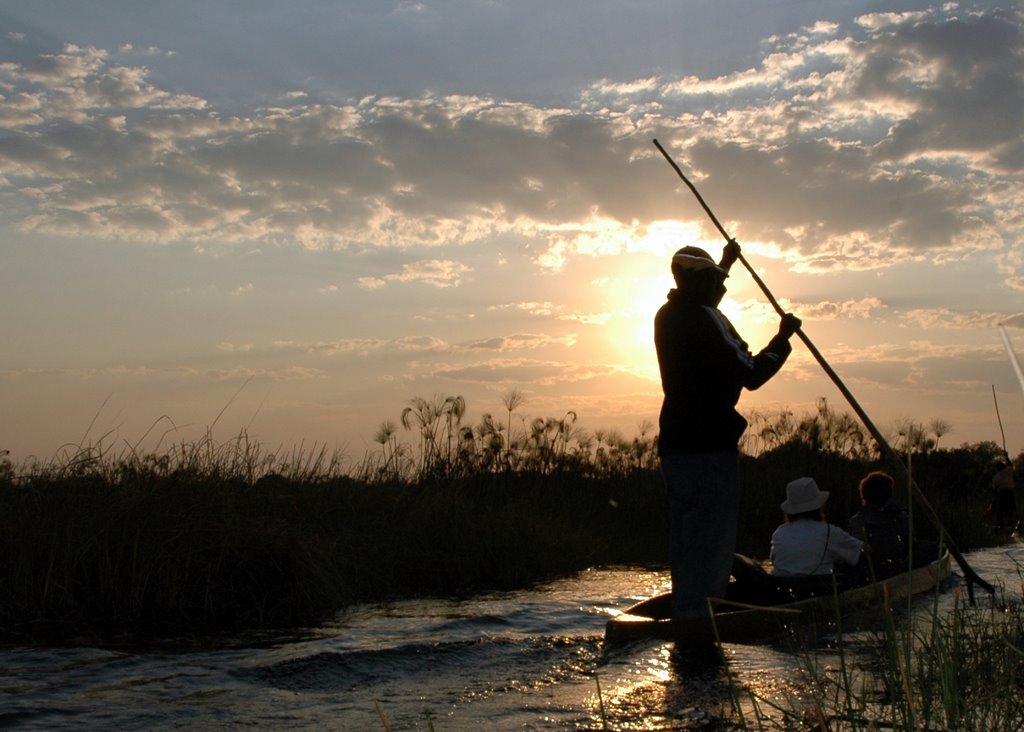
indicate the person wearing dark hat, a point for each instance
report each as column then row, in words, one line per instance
column 704, row 367
column 806, row 545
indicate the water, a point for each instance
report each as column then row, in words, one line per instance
column 519, row 660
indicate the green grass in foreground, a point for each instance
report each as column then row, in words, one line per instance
column 212, row 538
column 944, row 670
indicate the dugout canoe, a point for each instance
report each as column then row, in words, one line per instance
column 750, row 623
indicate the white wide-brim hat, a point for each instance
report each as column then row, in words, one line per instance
column 803, row 495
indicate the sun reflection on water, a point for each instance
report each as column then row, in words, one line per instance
column 662, row 687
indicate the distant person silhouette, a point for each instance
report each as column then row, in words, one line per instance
column 1004, row 505
column 704, row 367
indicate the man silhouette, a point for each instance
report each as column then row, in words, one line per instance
column 704, row 367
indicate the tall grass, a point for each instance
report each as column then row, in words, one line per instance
column 937, row 670
column 210, row 536
column 170, row 544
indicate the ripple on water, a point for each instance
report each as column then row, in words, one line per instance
column 528, row 660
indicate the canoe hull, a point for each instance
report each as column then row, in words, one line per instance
column 650, row 619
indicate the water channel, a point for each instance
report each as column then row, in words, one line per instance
column 519, row 660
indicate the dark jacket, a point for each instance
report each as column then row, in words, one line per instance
column 704, row 366
column 887, row 531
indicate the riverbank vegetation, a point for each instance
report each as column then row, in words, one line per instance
column 205, row 537
column 959, row 669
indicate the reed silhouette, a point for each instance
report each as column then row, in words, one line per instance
column 206, row 536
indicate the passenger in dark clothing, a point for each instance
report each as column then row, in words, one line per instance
column 882, row 523
column 1004, row 505
column 704, row 367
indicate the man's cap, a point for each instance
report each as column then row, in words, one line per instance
column 695, row 259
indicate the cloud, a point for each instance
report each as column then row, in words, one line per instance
column 946, row 318
column 539, row 309
column 588, row 318
column 78, row 80
column 370, row 283
column 950, row 71
column 434, row 272
column 845, row 148
column 409, row 344
column 358, row 346
column 422, row 343
column 519, row 341
column 925, row 365
column 521, row 371
column 849, row 309
column 125, row 373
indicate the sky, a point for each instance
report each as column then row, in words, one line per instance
column 293, row 218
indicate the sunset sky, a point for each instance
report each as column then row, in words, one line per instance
column 293, row 217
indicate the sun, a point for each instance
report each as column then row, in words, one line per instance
column 633, row 297
column 629, row 288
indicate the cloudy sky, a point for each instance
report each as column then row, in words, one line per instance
column 292, row 218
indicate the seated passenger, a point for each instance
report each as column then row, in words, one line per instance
column 882, row 523
column 806, row 545
column 804, row 554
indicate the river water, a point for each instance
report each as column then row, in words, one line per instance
column 518, row 660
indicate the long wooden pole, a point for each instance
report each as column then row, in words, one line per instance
column 883, row 444
column 998, row 418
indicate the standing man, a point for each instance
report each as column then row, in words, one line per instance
column 704, row 367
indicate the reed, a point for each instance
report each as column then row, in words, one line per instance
column 171, row 546
column 209, row 536
column 933, row 670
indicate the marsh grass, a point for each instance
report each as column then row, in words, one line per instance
column 207, row 536
column 219, row 538
column 938, row 670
